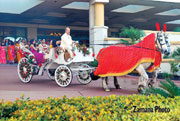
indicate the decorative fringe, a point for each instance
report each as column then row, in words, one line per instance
column 157, row 26
column 165, row 28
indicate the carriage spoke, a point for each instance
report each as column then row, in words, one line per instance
column 84, row 75
column 24, row 70
column 63, row 76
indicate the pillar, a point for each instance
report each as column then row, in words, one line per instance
column 99, row 14
column 98, row 31
column 31, row 33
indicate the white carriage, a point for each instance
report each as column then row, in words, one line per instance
column 57, row 68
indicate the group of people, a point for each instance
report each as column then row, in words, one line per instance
column 10, row 52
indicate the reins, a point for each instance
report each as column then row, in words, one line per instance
column 129, row 46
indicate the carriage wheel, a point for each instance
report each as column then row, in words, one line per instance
column 84, row 76
column 63, row 76
column 24, row 70
column 50, row 74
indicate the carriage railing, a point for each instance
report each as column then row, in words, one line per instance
column 24, row 49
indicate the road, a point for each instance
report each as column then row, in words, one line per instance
column 42, row 87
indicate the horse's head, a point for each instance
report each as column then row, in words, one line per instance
column 162, row 42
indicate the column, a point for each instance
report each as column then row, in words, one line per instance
column 98, row 31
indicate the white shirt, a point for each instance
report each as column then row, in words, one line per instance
column 66, row 40
column 43, row 48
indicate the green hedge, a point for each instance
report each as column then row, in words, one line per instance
column 92, row 108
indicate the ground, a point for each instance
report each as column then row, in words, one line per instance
column 42, row 87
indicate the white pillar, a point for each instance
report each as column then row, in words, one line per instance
column 31, row 33
column 97, row 30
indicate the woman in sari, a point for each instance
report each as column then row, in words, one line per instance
column 0, row 53
column 39, row 56
column 11, row 52
column 19, row 52
column 6, row 48
column 3, row 53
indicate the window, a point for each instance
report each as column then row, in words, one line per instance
column 9, row 32
column 13, row 32
column 20, row 32
column 1, row 31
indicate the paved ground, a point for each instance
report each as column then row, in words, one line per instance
column 42, row 87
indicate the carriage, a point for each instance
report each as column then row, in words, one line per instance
column 58, row 68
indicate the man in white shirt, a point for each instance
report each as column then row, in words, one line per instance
column 66, row 42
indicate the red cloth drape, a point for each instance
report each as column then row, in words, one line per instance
column 118, row 60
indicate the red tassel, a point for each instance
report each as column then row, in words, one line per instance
column 157, row 27
column 165, row 28
column 93, row 54
column 40, row 65
column 56, row 55
column 74, row 54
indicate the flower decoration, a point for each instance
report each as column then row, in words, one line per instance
column 106, row 108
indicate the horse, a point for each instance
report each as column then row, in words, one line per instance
column 161, row 45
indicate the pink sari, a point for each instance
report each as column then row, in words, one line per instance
column 3, row 55
column 0, row 56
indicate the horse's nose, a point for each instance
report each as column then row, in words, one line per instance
column 166, row 52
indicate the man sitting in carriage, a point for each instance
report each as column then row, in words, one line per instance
column 66, row 42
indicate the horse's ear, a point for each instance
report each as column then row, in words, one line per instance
column 157, row 27
column 165, row 28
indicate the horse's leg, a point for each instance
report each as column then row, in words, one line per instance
column 153, row 80
column 116, row 84
column 105, row 84
column 143, row 78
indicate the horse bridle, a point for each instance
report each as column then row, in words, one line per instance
column 161, row 44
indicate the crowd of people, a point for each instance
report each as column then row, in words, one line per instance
column 11, row 53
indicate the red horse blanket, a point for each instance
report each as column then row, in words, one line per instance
column 118, row 60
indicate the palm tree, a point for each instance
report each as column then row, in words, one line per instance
column 167, row 89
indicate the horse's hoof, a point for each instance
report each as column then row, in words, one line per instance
column 151, row 84
column 118, row 87
column 107, row 90
column 140, row 88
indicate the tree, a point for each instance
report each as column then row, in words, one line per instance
column 132, row 33
column 167, row 89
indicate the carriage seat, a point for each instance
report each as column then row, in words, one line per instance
column 66, row 53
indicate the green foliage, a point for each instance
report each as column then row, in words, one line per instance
column 176, row 53
column 115, row 108
column 167, row 75
column 167, row 89
column 94, row 63
column 174, row 67
column 166, row 56
column 176, row 56
column 134, row 34
column 177, row 29
column 126, row 42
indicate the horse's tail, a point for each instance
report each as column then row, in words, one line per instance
column 94, row 77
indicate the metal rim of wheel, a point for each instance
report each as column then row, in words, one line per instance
column 50, row 75
column 63, row 76
column 84, row 76
column 24, row 70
